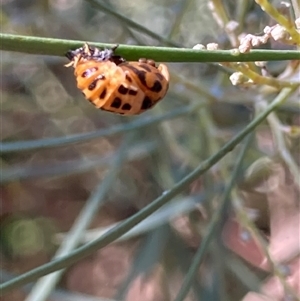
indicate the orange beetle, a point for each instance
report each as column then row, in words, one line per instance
column 114, row 85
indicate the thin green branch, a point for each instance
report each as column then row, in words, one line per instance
column 185, row 6
column 212, row 227
column 72, row 166
column 246, row 223
column 128, row 224
column 280, row 142
column 59, row 294
column 281, row 19
column 58, row 47
column 20, row 146
column 45, row 285
column 132, row 24
column 161, row 217
column 242, row 271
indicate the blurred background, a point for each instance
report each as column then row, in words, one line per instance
column 46, row 184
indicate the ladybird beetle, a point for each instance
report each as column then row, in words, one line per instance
column 114, row 85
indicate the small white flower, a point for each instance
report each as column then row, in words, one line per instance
column 199, row 47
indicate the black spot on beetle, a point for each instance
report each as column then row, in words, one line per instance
column 126, row 107
column 140, row 74
column 147, row 103
column 93, row 85
column 116, row 103
column 85, row 73
column 145, row 67
column 117, row 59
column 142, row 77
column 128, row 78
column 88, row 72
column 157, row 87
column 132, row 92
column 123, row 90
column 103, row 93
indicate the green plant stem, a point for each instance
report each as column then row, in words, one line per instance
column 10, row 174
column 246, row 223
column 182, row 205
column 280, row 142
column 98, row 5
column 185, row 6
column 57, row 47
column 128, row 224
column 45, row 285
column 20, row 146
column 280, row 18
column 212, row 227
